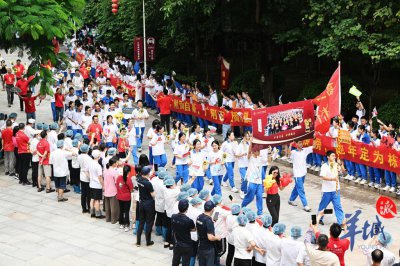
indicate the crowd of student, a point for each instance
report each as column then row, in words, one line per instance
column 97, row 128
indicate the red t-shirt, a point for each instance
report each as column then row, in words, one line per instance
column 96, row 129
column 227, row 118
column 24, row 84
column 7, row 135
column 9, row 78
column 22, row 142
column 19, row 70
column 84, row 72
column 164, row 102
column 42, row 147
column 29, row 104
column 337, row 246
column 274, row 189
column 124, row 189
column 59, row 99
column 123, row 144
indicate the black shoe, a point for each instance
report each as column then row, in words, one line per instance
column 166, row 245
column 7, row 173
column 92, row 216
column 50, row 190
column 150, row 243
column 66, row 190
column 85, row 211
column 321, row 222
column 34, row 185
column 40, row 189
column 62, row 200
column 100, row 217
column 28, row 183
column 20, row 182
column 12, row 174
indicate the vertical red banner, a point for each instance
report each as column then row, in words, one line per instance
column 151, row 49
column 224, row 74
column 138, row 48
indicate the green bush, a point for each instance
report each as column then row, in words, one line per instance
column 249, row 81
column 315, row 88
column 177, row 63
column 389, row 112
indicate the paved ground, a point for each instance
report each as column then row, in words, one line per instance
column 37, row 230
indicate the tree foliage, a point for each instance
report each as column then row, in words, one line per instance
column 32, row 24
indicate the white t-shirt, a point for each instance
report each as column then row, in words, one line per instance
column 110, row 130
column 170, row 196
column 299, row 161
column 264, row 157
column 253, row 173
column 95, row 171
column 243, row 148
column 84, row 161
column 322, row 258
column 360, row 113
column 329, row 186
column 132, row 136
column 228, row 147
column 290, row 251
column 303, row 257
column 157, row 143
column 158, row 186
column 75, row 152
column 78, row 82
column 52, row 139
column 215, row 168
column 140, row 116
column 213, row 99
column 181, row 149
column 231, row 224
column 273, row 246
column 58, row 159
column 241, row 239
column 77, row 117
column 193, row 213
column 220, row 224
column 194, row 136
column 197, row 159
column 32, row 147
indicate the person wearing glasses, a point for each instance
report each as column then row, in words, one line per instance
column 272, row 185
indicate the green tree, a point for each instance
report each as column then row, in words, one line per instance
column 31, row 25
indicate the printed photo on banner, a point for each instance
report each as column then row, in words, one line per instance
column 282, row 121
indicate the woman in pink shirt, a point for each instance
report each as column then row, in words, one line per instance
column 124, row 189
column 110, row 190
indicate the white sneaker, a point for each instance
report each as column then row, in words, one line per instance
column 377, row 186
column 308, row 166
column 392, row 189
column 126, row 229
column 289, row 160
column 347, row 177
column 210, row 182
column 312, row 167
column 224, row 184
column 317, row 169
column 264, row 195
column 358, row 180
column 234, row 190
column 121, row 226
column 284, row 158
column 241, row 194
column 371, row 184
column 351, row 178
column 307, row 209
column 363, row 182
column 292, row 203
column 386, row 188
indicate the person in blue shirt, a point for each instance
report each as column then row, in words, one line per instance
column 363, row 137
column 107, row 99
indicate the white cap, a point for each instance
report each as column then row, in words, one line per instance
column 31, row 121
column 96, row 154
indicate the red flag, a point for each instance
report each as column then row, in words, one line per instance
column 328, row 103
column 224, row 73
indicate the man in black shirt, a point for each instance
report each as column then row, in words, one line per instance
column 206, row 236
column 146, row 206
column 181, row 226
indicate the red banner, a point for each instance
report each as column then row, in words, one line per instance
column 283, row 123
column 151, row 49
column 138, row 48
column 240, row 116
column 224, row 74
column 381, row 157
column 328, row 103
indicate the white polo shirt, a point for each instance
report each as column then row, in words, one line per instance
column 157, row 143
column 58, row 159
column 140, row 115
column 299, row 161
column 242, row 238
column 95, row 171
column 328, row 186
column 181, row 149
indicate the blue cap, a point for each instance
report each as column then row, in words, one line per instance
column 182, row 195
column 53, row 126
column 75, row 143
column 385, row 238
column 279, row 228
column 242, row 220
column 84, row 148
column 162, row 175
column 235, row 208
column 195, row 201
column 203, row 194
column 69, row 133
column 39, row 126
column 146, row 170
column 78, row 136
column 251, row 216
column 161, row 169
column 208, row 206
column 192, row 191
column 60, row 144
column 295, row 231
column 185, row 187
column 13, row 115
column 266, row 219
column 169, row 182
column 217, row 199
column 245, row 210
column 45, row 126
column 111, row 151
